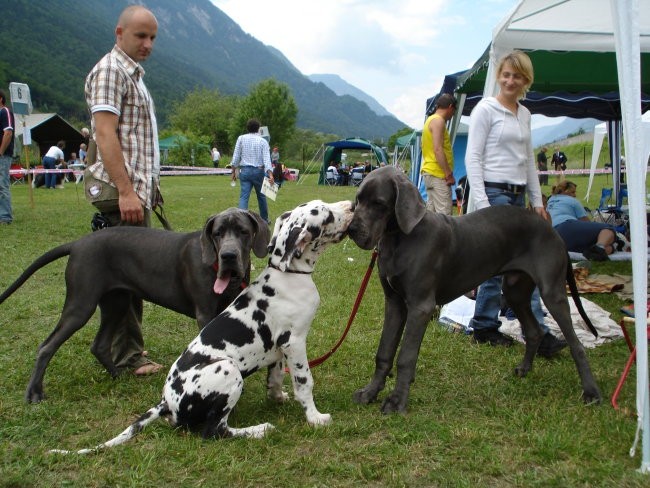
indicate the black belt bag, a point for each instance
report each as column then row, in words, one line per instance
column 506, row 187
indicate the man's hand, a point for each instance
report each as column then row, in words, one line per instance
column 131, row 210
column 450, row 180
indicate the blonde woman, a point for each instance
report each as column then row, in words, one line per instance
column 501, row 170
column 593, row 239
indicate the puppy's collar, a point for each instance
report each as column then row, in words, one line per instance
column 289, row 270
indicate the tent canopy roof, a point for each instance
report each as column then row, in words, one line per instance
column 48, row 129
column 572, row 47
column 560, row 71
column 353, row 143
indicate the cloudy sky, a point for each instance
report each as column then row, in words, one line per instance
column 397, row 51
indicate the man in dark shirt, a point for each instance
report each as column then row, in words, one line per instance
column 542, row 165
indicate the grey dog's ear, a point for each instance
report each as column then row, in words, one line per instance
column 262, row 234
column 409, row 207
column 208, row 251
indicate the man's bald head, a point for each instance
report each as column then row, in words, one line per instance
column 136, row 31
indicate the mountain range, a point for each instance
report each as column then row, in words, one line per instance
column 52, row 45
column 561, row 129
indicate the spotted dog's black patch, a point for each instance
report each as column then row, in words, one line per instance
column 314, row 211
column 258, row 316
column 269, row 291
column 314, row 230
column 283, row 338
column 330, row 218
column 224, row 329
column 195, row 410
column 191, row 359
column 266, row 336
column 262, row 304
column 242, row 301
column 300, row 379
column 178, row 386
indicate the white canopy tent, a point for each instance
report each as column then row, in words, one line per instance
column 600, row 131
column 609, row 26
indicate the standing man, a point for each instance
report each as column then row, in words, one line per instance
column 124, row 128
column 559, row 159
column 6, row 156
column 254, row 161
column 542, row 165
column 275, row 156
column 216, row 156
column 437, row 155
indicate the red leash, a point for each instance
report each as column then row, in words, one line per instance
column 355, row 308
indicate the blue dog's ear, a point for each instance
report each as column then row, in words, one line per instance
column 409, row 207
column 262, row 234
column 208, row 248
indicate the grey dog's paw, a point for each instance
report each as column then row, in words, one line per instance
column 394, row 403
column 592, row 396
column 365, row 395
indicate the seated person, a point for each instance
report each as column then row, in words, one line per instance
column 278, row 173
column 83, row 151
column 595, row 240
column 73, row 159
column 334, row 168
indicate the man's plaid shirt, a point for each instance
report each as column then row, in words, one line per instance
column 115, row 85
column 252, row 150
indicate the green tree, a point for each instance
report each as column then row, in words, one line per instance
column 392, row 140
column 205, row 114
column 272, row 103
column 304, row 145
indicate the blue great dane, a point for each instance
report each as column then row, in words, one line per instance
column 428, row 259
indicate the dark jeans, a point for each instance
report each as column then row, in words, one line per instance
column 50, row 178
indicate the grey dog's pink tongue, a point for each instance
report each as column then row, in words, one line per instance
column 222, row 283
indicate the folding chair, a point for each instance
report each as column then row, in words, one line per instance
column 357, row 178
column 16, row 174
column 330, row 178
column 606, row 211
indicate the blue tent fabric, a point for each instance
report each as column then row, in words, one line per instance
column 334, row 149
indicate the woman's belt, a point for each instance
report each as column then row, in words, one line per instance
column 506, row 186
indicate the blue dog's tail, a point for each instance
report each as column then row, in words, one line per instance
column 47, row 258
column 575, row 294
column 160, row 410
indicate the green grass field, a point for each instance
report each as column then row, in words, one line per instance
column 471, row 422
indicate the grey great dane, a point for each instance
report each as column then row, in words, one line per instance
column 197, row 274
column 428, row 259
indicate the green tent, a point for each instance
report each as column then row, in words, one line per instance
column 172, row 141
column 334, row 150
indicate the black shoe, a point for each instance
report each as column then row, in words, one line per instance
column 596, row 253
column 492, row 337
column 550, row 345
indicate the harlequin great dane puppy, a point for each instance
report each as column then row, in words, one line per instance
column 427, row 259
column 197, row 274
column 266, row 325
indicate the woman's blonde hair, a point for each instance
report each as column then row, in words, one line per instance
column 563, row 186
column 522, row 64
